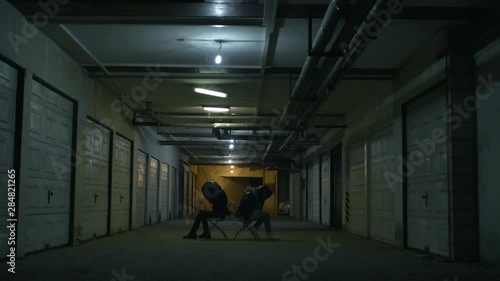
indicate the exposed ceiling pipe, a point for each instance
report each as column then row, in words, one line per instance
column 352, row 53
column 165, row 115
column 324, row 36
column 334, row 73
column 241, row 126
column 291, row 138
column 226, row 134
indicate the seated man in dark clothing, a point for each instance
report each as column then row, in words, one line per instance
column 218, row 198
column 251, row 209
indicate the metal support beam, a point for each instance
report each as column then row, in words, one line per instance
column 221, row 143
column 149, row 12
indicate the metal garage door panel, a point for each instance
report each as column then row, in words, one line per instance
column 8, row 90
column 174, row 195
column 95, row 201
column 316, row 192
column 48, row 187
column 153, row 192
column 337, row 191
column 427, row 183
column 381, row 195
column 140, row 202
column 120, row 198
column 357, row 190
column 185, row 194
column 310, row 189
column 325, row 189
column 164, row 190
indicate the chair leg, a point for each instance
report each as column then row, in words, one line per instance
column 243, row 228
column 214, row 225
column 238, row 233
column 221, row 231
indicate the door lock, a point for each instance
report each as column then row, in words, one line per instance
column 49, row 194
column 95, row 197
column 121, row 197
column 426, row 198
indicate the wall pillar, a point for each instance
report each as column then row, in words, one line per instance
column 462, row 157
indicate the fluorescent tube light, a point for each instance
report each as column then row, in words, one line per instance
column 216, row 109
column 210, row 93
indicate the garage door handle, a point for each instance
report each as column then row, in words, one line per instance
column 95, row 197
column 49, row 194
column 426, row 197
column 121, row 197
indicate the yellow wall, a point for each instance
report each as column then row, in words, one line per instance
column 222, row 175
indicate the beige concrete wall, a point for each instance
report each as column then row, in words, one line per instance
column 222, row 175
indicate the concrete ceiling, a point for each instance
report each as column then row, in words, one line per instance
column 264, row 46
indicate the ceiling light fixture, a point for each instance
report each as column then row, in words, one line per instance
column 216, row 109
column 232, row 167
column 231, row 146
column 218, row 58
column 230, row 161
column 210, row 93
column 232, row 141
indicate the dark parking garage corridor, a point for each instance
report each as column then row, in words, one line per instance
column 358, row 135
column 158, row 253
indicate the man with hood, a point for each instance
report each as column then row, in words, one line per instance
column 250, row 209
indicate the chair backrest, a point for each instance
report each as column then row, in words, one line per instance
column 227, row 210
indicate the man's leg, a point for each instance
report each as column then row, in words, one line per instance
column 206, row 215
column 200, row 217
column 262, row 217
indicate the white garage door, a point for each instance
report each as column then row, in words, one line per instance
column 381, row 193
column 48, row 195
column 164, row 204
column 310, row 189
column 427, row 178
column 8, row 89
column 337, row 189
column 174, row 195
column 153, row 191
column 316, row 192
column 325, row 189
column 356, row 191
column 120, row 198
column 95, row 201
column 185, row 194
column 140, row 198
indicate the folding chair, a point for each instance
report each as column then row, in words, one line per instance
column 215, row 221
column 246, row 225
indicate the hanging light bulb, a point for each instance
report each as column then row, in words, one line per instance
column 218, row 58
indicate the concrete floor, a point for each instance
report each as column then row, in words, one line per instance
column 158, row 253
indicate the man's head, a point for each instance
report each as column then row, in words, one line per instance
column 264, row 192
